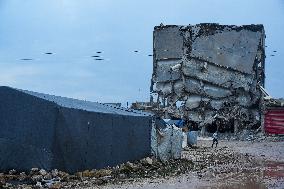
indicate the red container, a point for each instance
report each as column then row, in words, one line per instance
column 274, row 120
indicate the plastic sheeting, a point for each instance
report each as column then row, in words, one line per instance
column 52, row 132
column 166, row 143
column 184, row 139
column 192, row 137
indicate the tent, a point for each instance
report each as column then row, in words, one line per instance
column 46, row 131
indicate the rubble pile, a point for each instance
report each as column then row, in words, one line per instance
column 272, row 102
column 250, row 135
column 145, row 168
column 205, row 161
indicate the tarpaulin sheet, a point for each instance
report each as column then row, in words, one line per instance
column 274, row 121
column 192, row 137
column 52, row 132
column 166, row 143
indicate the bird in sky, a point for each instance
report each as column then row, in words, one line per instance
column 26, row 59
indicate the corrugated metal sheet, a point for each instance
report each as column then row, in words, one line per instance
column 274, row 121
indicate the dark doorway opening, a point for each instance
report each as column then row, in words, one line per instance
column 223, row 126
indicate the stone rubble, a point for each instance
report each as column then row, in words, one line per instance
column 205, row 161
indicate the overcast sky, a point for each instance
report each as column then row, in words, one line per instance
column 74, row 30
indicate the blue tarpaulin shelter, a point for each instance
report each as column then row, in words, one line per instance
column 176, row 122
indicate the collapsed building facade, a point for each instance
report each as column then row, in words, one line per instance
column 210, row 74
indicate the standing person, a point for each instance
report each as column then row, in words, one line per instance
column 215, row 139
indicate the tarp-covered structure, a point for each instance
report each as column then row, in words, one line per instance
column 45, row 131
column 166, row 140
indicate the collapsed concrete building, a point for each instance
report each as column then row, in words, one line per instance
column 210, row 74
column 52, row 132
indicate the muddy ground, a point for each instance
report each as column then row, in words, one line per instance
column 244, row 164
column 233, row 164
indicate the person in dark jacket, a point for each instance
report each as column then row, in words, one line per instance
column 215, row 139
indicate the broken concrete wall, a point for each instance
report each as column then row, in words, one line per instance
column 206, row 72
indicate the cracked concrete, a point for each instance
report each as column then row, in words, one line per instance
column 206, row 72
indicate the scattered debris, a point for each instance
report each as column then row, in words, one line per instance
column 273, row 102
column 145, row 168
column 204, row 161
